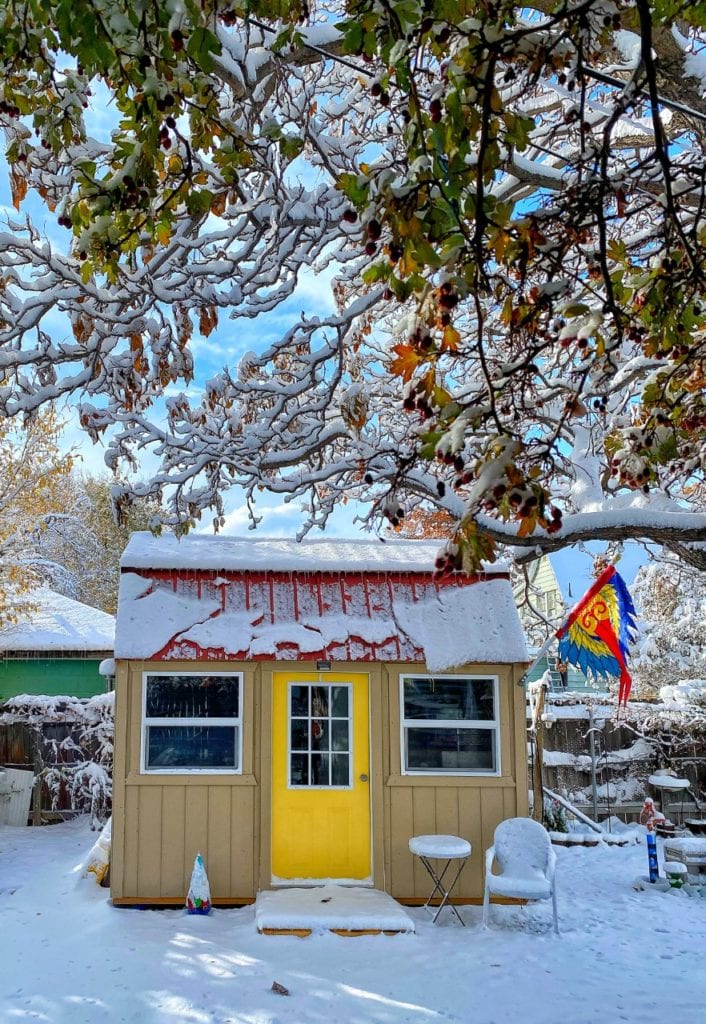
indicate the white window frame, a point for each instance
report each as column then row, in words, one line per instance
column 491, row 725
column 231, row 722
column 351, row 752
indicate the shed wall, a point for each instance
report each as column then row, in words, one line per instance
column 467, row 806
column 73, row 677
column 160, row 822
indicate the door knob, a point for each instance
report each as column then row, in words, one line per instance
column 363, row 777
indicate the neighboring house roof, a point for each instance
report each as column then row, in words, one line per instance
column 353, row 600
column 57, row 623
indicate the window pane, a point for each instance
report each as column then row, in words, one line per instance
column 319, row 701
column 300, row 700
column 319, row 770
column 339, row 735
column 187, row 746
column 319, row 734
column 340, row 772
column 299, row 770
column 194, row 696
column 339, row 700
column 300, row 734
column 450, row 750
column 449, row 699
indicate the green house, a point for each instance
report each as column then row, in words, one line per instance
column 56, row 649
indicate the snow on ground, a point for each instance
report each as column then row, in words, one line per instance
column 68, row 957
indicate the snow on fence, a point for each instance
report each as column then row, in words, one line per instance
column 629, row 750
column 68, row 741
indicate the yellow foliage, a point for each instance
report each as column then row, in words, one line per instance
column 32, row 472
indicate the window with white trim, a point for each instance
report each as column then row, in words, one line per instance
column 450, row 725
column 192, row 722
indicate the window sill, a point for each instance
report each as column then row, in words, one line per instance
column 450, row 780
column 187, row 778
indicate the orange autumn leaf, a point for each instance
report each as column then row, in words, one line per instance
column 527, row 526
column 19, row 188
column 406, row 362
column 218, row 204
column 450, row 340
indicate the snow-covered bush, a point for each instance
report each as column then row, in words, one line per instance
column 686, row 691
column 79, row 758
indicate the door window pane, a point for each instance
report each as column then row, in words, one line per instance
column 339, row 698
column 320, row 770
column 299, row 696
column 319, row 700
column 340, row 769
column 299, row 734
column 339, row 735
column 299, row 768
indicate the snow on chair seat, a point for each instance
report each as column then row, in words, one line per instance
column 526, row 859
column 521, row 888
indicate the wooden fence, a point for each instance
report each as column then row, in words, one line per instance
column 25, row 748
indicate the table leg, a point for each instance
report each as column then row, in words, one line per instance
column 438, row 887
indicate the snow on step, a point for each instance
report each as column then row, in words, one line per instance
column 328, row 908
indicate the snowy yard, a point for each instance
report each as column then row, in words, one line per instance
column 68, row 957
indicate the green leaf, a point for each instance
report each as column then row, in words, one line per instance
column 377, row 272
column 355, row 186
column 200, row 45
column 352, row 36
column 290, row 146
column 425, row 253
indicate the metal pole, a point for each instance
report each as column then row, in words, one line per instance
column 592, row 748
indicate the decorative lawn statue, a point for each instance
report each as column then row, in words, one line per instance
column 198, row 900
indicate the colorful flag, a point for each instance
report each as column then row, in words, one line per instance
column 597, row 634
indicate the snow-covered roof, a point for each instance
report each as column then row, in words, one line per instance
column 58, row 623
column 277, row 554
column 238, row 599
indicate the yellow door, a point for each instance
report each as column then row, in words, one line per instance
column 320, row 773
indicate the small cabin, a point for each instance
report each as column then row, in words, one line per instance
column 296, row 711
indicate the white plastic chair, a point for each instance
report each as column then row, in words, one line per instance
column 526, row 859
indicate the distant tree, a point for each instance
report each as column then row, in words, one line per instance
column 512, row 197
column 538, row 621
column 80, row 554
column 671, row 648
column 33, row 471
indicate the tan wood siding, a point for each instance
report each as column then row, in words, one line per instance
column 162, row 821
column 467, row 806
